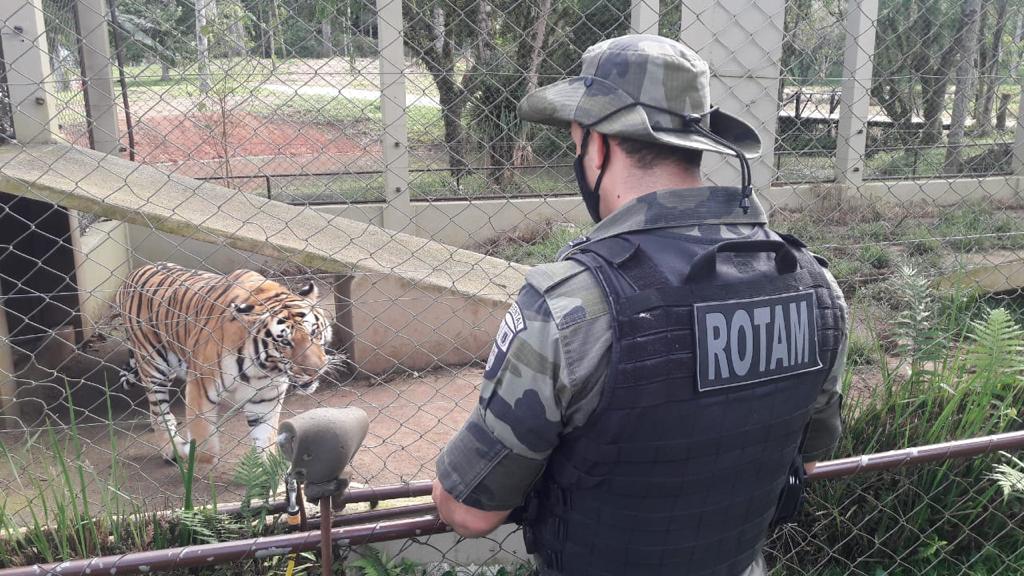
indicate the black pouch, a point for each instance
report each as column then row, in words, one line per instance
column 791, row 499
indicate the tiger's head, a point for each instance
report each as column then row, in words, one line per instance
column 292, row 333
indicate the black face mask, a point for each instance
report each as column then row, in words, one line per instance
column 591, row 196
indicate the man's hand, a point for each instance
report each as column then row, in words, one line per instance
column 467, row 521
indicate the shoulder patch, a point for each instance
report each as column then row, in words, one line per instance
column 510, row 327
column 544, row 277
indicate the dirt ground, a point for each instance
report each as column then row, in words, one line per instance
column 411, row 418
column 195, row 144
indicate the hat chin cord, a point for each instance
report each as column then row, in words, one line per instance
column 692, row 122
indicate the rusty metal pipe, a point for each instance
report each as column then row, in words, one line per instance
column 356, row 495
column 373, row 516
column 326, row 554
column 918, row 455
column 239, row 550
column 256, row 548
column 410, row 490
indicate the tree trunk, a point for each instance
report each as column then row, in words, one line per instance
column 485, row 41
column 236, row 40
column 1018, row 36
column 272, row 28
column 1004, row 105
column 933, row 90
column 965, row 73
column 989, row 83
column 983, row 56
column 327, row 43
column 453, row 102
column 346, row 34
column 165, row 71
column 203, row 13
column 522, row 155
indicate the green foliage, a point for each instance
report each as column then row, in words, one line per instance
column 875, row 256
column 920, row 241
column 978, row 226
column 971, row 388
column 261, row 474
column 1009, row 476
column 374, row 563
column 919, row 338
column 534, row 245
column 861, row 351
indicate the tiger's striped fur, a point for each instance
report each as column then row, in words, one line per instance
column 237, row 337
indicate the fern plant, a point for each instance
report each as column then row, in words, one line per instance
column 996, row 346
column 261, row 475
column 207, row 527
column 919, row 338
column 1009, row 477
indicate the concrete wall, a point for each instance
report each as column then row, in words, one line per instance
column 398, row 324
column 503, row 547
column 101, row 270
column 464, row 223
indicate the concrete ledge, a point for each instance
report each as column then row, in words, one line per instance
column 1000, row 271
column 464, row 222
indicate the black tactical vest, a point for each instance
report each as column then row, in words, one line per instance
column 719, row 352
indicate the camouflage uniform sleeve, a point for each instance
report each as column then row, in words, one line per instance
column 825, row 426
column 497, row 456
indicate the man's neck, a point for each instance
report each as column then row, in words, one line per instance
column 625, row 188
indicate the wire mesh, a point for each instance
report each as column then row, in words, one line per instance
column 291, row 112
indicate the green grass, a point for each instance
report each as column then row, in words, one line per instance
column 422, row 185
column 424, row 123
column 535, row 244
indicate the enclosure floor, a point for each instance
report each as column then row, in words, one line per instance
column 411, row 418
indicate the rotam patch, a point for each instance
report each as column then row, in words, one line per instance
column 747, row 341
column 511, row 326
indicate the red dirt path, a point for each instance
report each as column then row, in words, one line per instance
column 189, row 142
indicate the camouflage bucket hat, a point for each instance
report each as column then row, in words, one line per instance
column 643, row 87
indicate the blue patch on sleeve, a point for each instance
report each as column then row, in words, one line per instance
column 511, row 326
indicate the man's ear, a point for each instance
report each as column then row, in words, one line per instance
column 598, row 145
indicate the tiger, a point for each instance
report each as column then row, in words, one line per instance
column 238, row 337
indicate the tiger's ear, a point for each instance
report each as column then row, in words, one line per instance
column 238, row 310
column 309, row 291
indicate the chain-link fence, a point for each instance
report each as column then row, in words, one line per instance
column 374, row 149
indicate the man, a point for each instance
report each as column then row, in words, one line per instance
column 651, row 394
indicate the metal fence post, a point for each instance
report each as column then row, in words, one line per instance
column 28, row 71
column 102, row 116
column 851, row 137
column 94, row 47
column 8, row 383
column 395, row 137
column 644, row 16
column 1018, row 142
column 744, row 73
